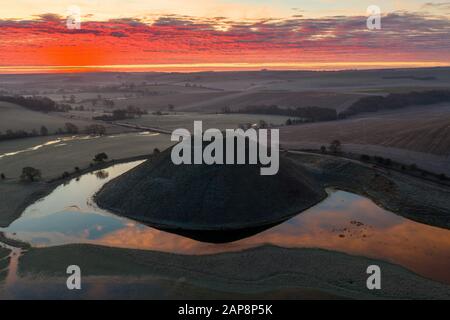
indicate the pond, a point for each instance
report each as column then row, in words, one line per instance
column 343, row 222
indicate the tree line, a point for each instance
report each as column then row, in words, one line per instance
column 303, row 114
column 40, row 104
column 396, row 101
column 366, row 104
column 130, row 112
column 69, row 128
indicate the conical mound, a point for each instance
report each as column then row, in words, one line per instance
column 214, row 203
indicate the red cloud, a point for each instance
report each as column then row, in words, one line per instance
column 172, row 39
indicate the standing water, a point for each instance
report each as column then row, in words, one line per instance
column 343, row 222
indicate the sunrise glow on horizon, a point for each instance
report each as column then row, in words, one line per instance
column 199, row 35
column 187, row 68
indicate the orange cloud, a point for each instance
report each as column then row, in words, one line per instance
column 181, row 40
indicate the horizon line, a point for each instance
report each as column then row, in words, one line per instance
column 199, row 67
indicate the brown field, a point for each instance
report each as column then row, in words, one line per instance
column 14, row 117
column 205, row 100
column 240, row 100
column 423, row 129
column 220, row 121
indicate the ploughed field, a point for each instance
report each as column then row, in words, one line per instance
column 423, row 129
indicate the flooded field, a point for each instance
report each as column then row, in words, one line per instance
column 343, row 222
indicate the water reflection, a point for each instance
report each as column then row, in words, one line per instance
column 59, row 142
column 343, row 222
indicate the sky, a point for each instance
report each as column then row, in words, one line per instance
column 194, row 35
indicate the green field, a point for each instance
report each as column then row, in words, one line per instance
column 55, row 158
column 219, row 121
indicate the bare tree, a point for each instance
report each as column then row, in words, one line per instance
column 101, row 157
column 71, row 128
column 30, row 174
column 44, row 131
column 335, row 146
